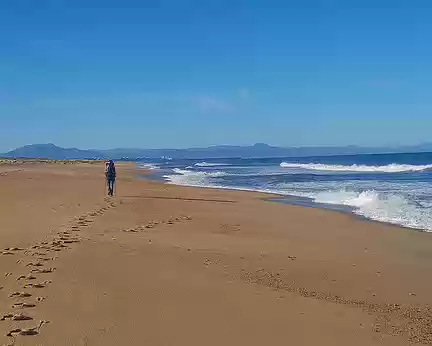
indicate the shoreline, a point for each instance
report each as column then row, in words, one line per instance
column 284, row 199
column 195, row 269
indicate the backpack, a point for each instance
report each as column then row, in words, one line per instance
column 110, row 171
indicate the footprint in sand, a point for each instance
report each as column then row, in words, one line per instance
column 16, row 317
column 58, row 244
column 45, row 259
column 38, row 285
column 39, row 254
column 173, row 220
column 68, row 239
column 58, row 248
column 23, row 305
column 34, row 264
column 26, row 332
column 131, row 230
column 71, row 241
column 152, row 224
column 20, row 295
column 41, row 247
column 26, row 277
column 13, row 249
column 64, row 234
column 43, row 271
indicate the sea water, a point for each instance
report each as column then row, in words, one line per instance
column 392, row 188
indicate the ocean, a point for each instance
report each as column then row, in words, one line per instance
column 391, row 188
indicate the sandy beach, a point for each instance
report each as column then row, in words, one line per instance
column 160, row 264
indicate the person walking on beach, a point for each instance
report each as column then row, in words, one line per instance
column 110, row 175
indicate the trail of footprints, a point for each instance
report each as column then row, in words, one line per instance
column 154, row 224
column 37, row 259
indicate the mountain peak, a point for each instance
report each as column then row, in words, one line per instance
column 43, row 145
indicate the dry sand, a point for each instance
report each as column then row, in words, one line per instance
column 167, row 265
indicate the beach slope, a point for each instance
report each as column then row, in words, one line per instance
column 166, row 265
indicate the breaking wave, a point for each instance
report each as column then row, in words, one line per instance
column 390, row 208
column 372, row 190
column 392, row 168
column 210, row 164
column 149, row 166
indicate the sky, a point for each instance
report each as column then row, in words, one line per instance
column 182, row 73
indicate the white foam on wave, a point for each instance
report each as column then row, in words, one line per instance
column 149, row 166
column 203, row 174
column 378, row 206
column 192, row 178
column 391, row 168
column 186, row 177
column 210, row 164
column 386, row 202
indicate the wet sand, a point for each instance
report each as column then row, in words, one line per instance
column 166, row 265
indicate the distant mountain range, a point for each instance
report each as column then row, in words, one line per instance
column 51, row 151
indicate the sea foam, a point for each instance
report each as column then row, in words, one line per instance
column 391, row 168
column 210, row 164
column 390, row 208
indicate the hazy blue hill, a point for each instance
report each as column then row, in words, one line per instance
column 51, row 151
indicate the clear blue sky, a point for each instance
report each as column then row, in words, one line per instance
column 179, row 73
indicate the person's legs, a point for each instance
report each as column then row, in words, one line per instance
column 109, row 186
